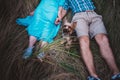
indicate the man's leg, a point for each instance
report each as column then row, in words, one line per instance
column 106, row 52
column 87, row 55
column 82, row 30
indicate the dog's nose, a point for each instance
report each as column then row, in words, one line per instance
column 65, row 31
column 67, row 27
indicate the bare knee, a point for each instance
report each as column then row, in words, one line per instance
column 84, row 42
column 32, row 39
column 102, row 40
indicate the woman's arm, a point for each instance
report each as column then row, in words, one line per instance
column 31, row 13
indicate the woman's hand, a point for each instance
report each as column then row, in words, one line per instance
column 57, row 21
column 32, row 13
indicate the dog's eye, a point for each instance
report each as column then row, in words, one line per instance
column 64, row 26
column 69, row 26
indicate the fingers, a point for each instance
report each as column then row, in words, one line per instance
column 31, row 13
column 57, row 21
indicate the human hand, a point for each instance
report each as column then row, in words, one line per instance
column 57, row 21
column 31, row 13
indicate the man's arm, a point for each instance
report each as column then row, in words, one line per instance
column 61, row 13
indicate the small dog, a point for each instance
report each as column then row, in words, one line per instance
column 67, row 31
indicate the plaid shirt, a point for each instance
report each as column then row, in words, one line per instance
column 78, row 5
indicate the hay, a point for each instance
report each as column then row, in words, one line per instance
column 61, row 64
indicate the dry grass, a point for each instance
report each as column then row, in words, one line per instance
column 60, row 64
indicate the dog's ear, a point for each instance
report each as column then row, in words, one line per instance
column 73, row 25
column 65, row 20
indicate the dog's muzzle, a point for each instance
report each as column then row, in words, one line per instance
column 67, row 29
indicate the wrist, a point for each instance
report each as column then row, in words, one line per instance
column 60, row 17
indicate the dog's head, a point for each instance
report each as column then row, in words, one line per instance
column 68, row 28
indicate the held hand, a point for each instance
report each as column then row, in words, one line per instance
column 31, row 13
column 57, row 21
